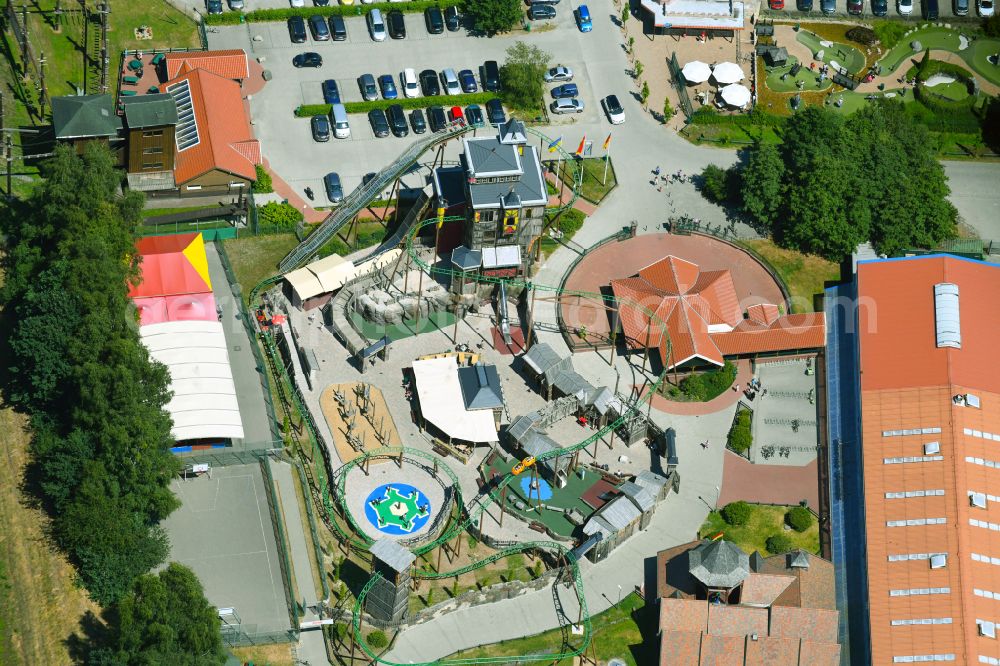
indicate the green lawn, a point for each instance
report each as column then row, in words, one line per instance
column 765, row 521
column 809, row 78
column 256, row 257
column 955, row 91
column 946, row 40
column 594, row 187
column 727, row 136
column 843, row 54
column 803, row 274
column 627, row 631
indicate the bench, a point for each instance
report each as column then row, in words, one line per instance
column 131, row 80
column 157, row 59
column 153, row 90
column 128, row 93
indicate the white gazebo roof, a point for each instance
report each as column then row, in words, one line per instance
column 728, row 72
column 736, row 95
column 442, row 404
column 696, row 71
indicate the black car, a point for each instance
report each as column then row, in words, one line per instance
column 539, row 12
column 213, row 6
column 397, row 24
column 429, row 85
column 321, row 3
column 417, row 121
column 452, row 19
column 308, row 59
column 494, row 112
column 880, row 7
column 434, row 20
column 368, row 177
column 320, row 128
column 397, row 120
column 804, row 5
column 929, row 10
column 379, row 123
column 338, row 28
column 828, row 6
column 489, row 74
column 334, row 190
column 297, row 29
column 436, row 118
column 317, row 25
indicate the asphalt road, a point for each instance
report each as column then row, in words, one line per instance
column 975, row 192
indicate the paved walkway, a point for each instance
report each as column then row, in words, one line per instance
column 768, row 484
column 726, row 399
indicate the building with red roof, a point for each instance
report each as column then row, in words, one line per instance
column 229, row 64
column 702, row 317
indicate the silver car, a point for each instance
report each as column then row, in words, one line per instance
column 449, row 81
column 572, row 105
column 559, row 74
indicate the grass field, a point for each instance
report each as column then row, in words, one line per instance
column 256, row 257
column 593, row 187
column 843, row 54
column 765, row 521
column 804, row 274
column 266, row 655
column 40, row 606
column 626, row 631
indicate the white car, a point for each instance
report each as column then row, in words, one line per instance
column 408, row 82
column 449, row 81
column 904, row 7
column 613, row 109
column 559, row 74
column 571, row 105
column 985, row 8
column 298, row 3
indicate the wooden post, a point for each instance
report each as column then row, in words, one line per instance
column 531, row 317
column 440, row 548
column 459, row 553
column 503, row 503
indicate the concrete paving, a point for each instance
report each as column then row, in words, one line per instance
column 975, row 194
column 784, row 420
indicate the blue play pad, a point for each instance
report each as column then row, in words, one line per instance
column 543, row 492
column 397, row 509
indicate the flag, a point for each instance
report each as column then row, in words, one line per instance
column 555, row 144
column 579, row 151
column 607, row 142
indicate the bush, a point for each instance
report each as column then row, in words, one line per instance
column 740, row 438
column 737, row 513
column 263, row 183
column 707, row 115
column 571, row 221
column 710, row 384
column 279, row 215
column 522, row 76
column 862, row 35
column 779, row 543
column 264, row 15
column 377, row 639
column 991, row 26
column 799, row 518
column 309, row 110
column 889, row 32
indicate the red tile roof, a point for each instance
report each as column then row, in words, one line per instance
column 736, row 620
column 819, row 654
column 722, row 650
column 701, row 313
column 814, row 624
column 769, row 651
column 763, row 589
column 229, row 64
column 683, row 615
column 226, row 141
column 680, row 647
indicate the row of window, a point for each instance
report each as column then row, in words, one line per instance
column 985, row 559
column 986, row 594
column 149, row 133
column 152, row 150
column 915, row 493
column 982, row 462
column 919, row 591
column 984, row 524
column 915, row 522
column 911, row 459
column 915, row 658
column 911, row 431
column 983, row 659
column 913, row 556
column 152, row 165
column 926, row 620
column 981, row 434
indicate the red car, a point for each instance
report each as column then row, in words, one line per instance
column 455, row 113
column 776, row 4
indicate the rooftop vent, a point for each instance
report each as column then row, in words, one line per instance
column 930, row 448
column 939, row 561
column 987, row 629
column 978, row 500
column 947, row 323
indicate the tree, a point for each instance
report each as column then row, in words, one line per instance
column 164, row 619
column 377, row 639
column 522, row 76
column 714, row 183
column 644, row 93
column 263, row 182
column 763, row 180
column 991, row 26
column 637, row 69
column 625, row 15
column 668, row 109
column 493, row 16
column 922, row 65
column 777, row 544
column 799, row 518
column 740, row 436
column 279, row 215
column 737, row 513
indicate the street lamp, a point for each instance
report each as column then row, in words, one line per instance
column 619, row 595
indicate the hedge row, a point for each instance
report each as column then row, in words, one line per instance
column 307, row 110
column 707, row 115
column 285, row 13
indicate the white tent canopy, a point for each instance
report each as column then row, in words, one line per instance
column 204, row 404
column 696, row 72
column 332, row 273
column 736, row 95
column 728, row 72
column 442, row 404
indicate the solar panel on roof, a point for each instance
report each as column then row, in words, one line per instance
column 946, row 315
column 187, row 125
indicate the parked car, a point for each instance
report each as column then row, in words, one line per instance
column 236, row 4
column 380, row 126
column 321, row 3
column 331, row 93
column 559, row 74
column 474, row 116
column 613, row 109
column 565, row 91
column 929, row 10
column 369, row 91
column 436, row 118
column 408, row 82
column 541, row 12
column 804, row 5
column 376, row 25
column 319, row 29
column 452, row 18
column 828, row 6
column 904, row 7
column 985, row 8
column 489, row 74
column 334, row 190
column 583, row 20
column 434, row 20
column 213, row 6
column 308, row 59
column 297, row 29
column 468, row 81
column 341, row 123
column 449, row 82
column 338, row 28
column 855, row 7
column 297, row 3
column 397, row 120
column 429, row 83
column 388, row 87
column 397, row 24
column 880, row 7
column 560, row 106
column 494, row 112
column 455, row 114
column 960, row 7
column 776, row 4
column 320, row 128
column 417, row 121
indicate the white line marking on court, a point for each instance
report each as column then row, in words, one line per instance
column 270, row 571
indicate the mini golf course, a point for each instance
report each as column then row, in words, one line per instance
column 973, row 51
column 397, row 509
column 842, row 55
column 809, row 78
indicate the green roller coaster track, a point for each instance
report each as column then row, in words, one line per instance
column 468, row 514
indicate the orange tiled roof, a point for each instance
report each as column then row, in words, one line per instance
column 702, row 315
column 726, row 620
column 226, row 141
column 769, row 651
column 815, row 624
column 683, row 615
column 916, row 439
column 763, row 589
column 229, row 64
column 678, row 648
column 722, row 650
column 819, row 654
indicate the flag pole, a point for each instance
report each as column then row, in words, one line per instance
column 607, row 158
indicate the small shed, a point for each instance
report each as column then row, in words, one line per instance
column 616, row 521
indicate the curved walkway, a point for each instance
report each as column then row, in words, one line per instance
column 728, row 398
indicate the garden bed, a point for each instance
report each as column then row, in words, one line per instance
column 765, row 521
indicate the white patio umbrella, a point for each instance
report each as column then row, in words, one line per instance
column 727, row 72
column 696, row 72
column 735, row 95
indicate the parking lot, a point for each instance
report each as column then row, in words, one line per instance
column 287, row 141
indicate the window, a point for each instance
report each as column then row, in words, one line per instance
column 978, row 500
column 939, row 561
column 152, row 165
column 152, row 150
column 930, row 448
column 237, row 184
column 149, row 133
column 987, row 628
column 192, row 188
